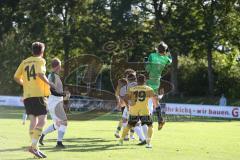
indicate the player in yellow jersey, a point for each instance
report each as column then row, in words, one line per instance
column 36, row 87
column 137, row 98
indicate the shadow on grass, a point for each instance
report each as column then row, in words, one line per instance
column 82, row 140
column 20, row 149
column 84, row 145
column 14, row 149
column 16, row 113
column 24, row 159
column 80, row 145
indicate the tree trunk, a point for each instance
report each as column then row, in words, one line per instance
column 66, row 41
column 210, row 71
column 158, row 8
column 66, row 55
column 174, row 73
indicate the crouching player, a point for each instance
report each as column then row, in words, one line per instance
column 55, row 105
column 137, row 97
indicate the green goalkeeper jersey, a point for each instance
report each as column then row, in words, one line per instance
column 155, row 66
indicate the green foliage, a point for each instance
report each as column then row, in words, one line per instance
column 11, row 54
column 227, row 73
column 71, row 28
column 192, row 76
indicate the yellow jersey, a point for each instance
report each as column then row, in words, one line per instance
column 138, row 97
column 33, row 86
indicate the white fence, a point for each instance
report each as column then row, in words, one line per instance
column 171, row 108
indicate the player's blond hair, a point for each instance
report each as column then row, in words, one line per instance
column 131, row 77
column 128, row 72
column 55, row 62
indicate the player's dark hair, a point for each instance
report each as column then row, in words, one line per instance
column 55, row 62
column 128, row 72
column 162, row 47
column 131, row 77
column 37, row 48
column 141, row 79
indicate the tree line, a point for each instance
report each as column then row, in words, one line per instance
column 203, row 36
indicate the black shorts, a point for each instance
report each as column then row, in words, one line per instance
column 133, row 120
column 36, row 106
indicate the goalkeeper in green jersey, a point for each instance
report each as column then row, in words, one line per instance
column 157, row 62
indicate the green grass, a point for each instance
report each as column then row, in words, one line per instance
column 93, row 140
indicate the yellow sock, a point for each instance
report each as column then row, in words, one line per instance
column 125, row 132
column 31, row 133
column 36, row 133
column 150, row 133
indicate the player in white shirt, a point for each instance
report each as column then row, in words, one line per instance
column 55, row 105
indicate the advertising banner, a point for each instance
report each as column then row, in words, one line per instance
column 202, row 110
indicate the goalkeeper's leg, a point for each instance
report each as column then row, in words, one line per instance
column 160, row 118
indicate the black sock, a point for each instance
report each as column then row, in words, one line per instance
column 42, row 136
column 59, row 142
column 119, row 128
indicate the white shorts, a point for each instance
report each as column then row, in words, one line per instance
column 125, row 114
column 150, row 106
column 55, row 108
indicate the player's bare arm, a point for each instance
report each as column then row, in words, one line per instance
column 125, row 99
column 155, row 101
column 18, row 80
column 44, row 79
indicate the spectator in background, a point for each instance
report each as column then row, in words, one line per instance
column 223, row 101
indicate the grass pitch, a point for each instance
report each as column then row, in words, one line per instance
column 94, row 140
